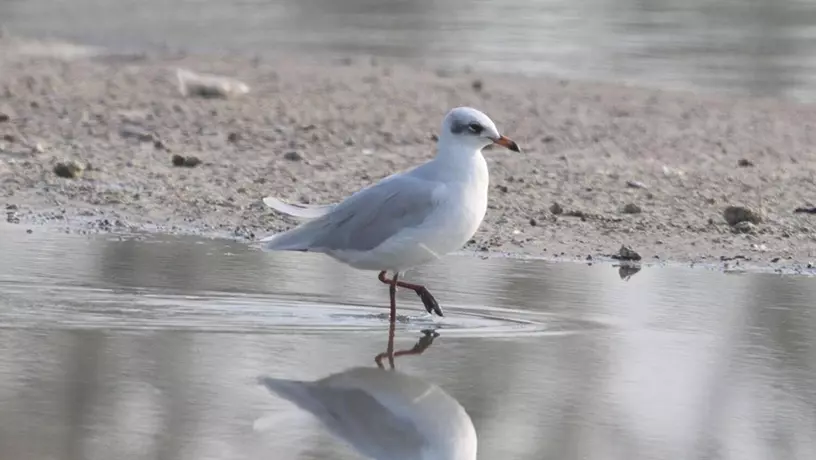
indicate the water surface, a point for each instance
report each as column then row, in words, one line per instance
column 149, row 348
column 757, row 47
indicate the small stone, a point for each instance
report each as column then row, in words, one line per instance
column 502, row 188
column 744, row 227
column 736, row 214
column 9, row 138
column 178, row 160
column 810, row 265
column 158, row 144
column 533, row 222
column 209, row 86
column 135, row 132
column 775, row 260
column 4, row 117
column 556, row 209
column 806, row 210
column 745, row 163
column 11, row 207
column 548, row 138
column 477, row 85
column 631, row 208
column 192, row 161
column 233, row 137
column 292, row 156
column 69, row 169
column 626, row 253
column 635, row 184
column 29, row 231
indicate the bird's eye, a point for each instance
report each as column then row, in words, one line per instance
column 475, row 128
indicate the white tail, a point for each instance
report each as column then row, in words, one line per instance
column 301, row 211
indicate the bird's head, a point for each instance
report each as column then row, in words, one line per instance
column 472, row 128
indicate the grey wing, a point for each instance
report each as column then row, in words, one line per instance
column 374, row 214
column 354, row 416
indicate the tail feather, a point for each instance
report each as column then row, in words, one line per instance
column 291, row 240
column 302, row 211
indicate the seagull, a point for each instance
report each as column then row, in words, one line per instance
column 385, row 414
column 407, row 219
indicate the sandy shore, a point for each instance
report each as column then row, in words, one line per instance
column 315, row 132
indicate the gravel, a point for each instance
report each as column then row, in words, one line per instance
column 316, row 132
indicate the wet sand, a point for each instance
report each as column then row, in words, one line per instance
column 315, row 131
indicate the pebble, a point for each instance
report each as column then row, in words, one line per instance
column 626, row 253
column 292, row 156
column 736, row 214
column 11, row 217
column 556, row 209
column 806, row 210
column 745, row 163
column 68, row 169
column 233, row 137
column 135, row 132
column 502, row 188
column 190, row 161
column 533, row 222
column 4, row 117
column 477, row 85
column 744, row 227
column 158, row 144
column 635, row 184
column 209, row 86
column 631, row 208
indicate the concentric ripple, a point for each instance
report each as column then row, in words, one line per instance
column 77, row 307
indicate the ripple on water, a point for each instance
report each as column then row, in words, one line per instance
column 77, row 307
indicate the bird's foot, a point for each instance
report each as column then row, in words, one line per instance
column 431, row 305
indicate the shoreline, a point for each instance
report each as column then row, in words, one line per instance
column 647, row 168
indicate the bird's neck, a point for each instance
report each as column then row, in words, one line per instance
column 461, row 161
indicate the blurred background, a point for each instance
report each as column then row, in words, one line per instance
column 748, row 47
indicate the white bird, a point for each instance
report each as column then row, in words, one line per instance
column 407, row 219
column 385, row 414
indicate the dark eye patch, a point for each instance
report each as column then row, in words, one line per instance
column 459, row 127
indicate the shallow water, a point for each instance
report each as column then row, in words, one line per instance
column 149, row 348
column 758, row 47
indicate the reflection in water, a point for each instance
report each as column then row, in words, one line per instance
column 385, row 414
column 152, row 349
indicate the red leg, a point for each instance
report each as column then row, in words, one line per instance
column 422, row 344
column 392, row 326
column 431, row 305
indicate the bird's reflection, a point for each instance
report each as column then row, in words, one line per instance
column 385, row 413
